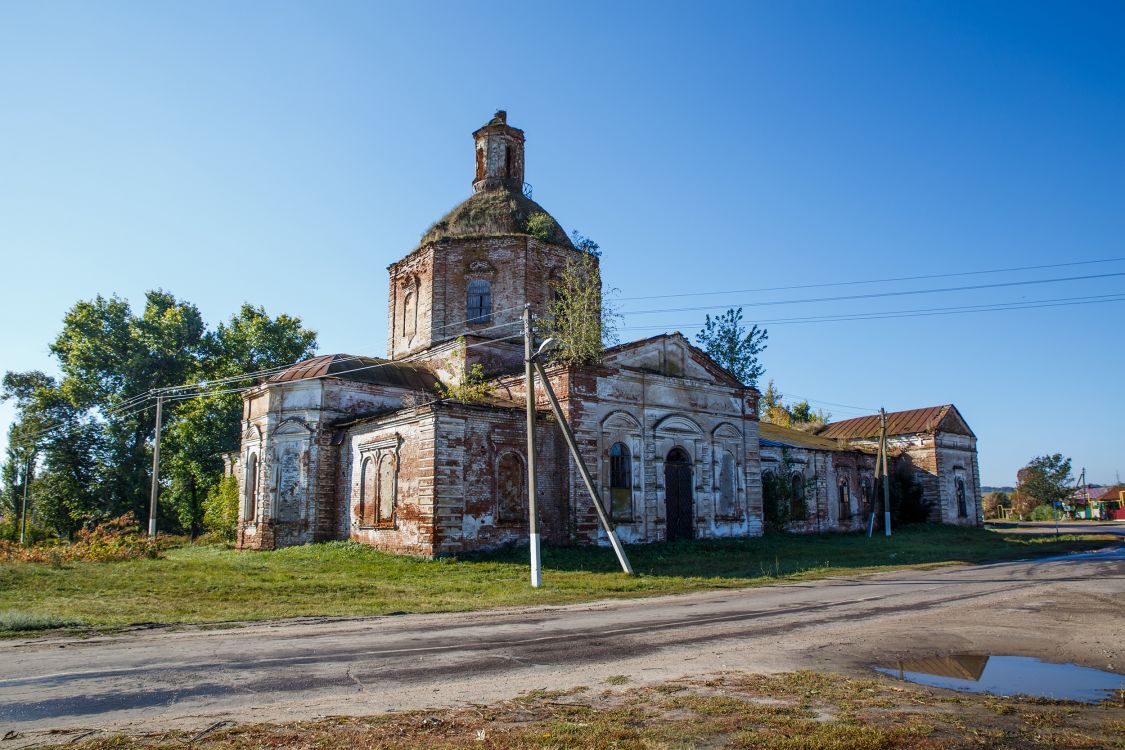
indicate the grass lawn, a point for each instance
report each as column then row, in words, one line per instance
column 200, row 584
column 791, row 711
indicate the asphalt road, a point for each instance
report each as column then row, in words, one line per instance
column 1070, row 609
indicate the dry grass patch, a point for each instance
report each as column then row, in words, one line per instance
column 795, row 711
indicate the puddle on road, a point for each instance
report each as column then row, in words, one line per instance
column 1008, row 675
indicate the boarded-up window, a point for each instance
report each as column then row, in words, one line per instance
column 621, row 482
column 797, row 507
column 250, row 495
column 845, row 501
column 727, row 486
column 510, row 489
column 386, row 490
column 479, row 301
column 367, row 493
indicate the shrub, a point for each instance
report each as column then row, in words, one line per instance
column 220, row 509
column 541, row 226
column 1042, row 512
column 118, row 539
column 21, row 621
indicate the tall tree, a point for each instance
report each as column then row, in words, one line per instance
column 1046, row 480
column 93, row 428
column 726, row 339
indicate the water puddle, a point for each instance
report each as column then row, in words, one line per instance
column 1008, row 675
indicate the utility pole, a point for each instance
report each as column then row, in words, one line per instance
column 886, row 475
column 155, row 470
column 23, row 513
column 874, row 490
column 607, row 524
column 532, row 506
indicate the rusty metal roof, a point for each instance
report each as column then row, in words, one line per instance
column 363, row 369
column 898, row 423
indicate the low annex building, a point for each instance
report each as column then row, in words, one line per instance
column 383, row 452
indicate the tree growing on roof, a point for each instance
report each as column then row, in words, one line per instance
column 726, row 340
column 579, row 317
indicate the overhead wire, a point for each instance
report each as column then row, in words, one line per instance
column 916, row 312
column 875, row 295
column 857, row 282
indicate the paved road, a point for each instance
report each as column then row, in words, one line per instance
column 1064, row 527
column 1068, row 609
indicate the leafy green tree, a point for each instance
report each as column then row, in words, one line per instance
column 94, row 428
column 220, row 508
column 728, row 342
column 1046, row 480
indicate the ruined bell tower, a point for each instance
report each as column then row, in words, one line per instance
column 466, row 282
column 499, row 155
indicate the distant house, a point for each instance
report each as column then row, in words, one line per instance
column 1104, row 502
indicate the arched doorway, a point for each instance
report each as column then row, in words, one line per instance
column 677, row 495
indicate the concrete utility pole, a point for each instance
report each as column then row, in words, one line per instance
column 886, row 475
column 23, row 513
column 155, row 470
column 607, row 524
column 532, row 506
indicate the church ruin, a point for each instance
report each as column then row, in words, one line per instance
column 382, row 451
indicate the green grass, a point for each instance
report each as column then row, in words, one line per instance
column 201, row 584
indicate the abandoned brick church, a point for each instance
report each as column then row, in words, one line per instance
column 351, row 447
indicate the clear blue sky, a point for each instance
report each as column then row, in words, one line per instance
column 284, row 154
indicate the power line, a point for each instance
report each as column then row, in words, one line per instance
column 281, row 368
column 875, row 295
column 916, row 312
column 877, row 281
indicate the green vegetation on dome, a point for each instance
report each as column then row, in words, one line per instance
column 492, row 213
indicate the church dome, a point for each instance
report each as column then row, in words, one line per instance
column 498, row 205
column 501, row 211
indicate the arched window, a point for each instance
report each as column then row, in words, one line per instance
column 962, row 504
column 510, row 489
column 621, row 482
column 727, row 486
column 367, row 492
column 867, row 495
column 479, row 302
column 386, row 490
column 845, row 501
column 797, row 496
column 250, row 483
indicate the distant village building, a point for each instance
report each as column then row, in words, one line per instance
column 382, row 452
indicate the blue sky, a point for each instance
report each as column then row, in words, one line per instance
column 284, row 154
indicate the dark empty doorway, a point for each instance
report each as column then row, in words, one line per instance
column 677, row 495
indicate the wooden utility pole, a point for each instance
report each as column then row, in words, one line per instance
column 23, row 512
column 155, row 470
column 607, row 524
column 886, row 474
column 532, row 506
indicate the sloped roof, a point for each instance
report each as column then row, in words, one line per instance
column 930, row 419
column 490, row 213
column 710, row 364
column 362, row 369
column 775, row 434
